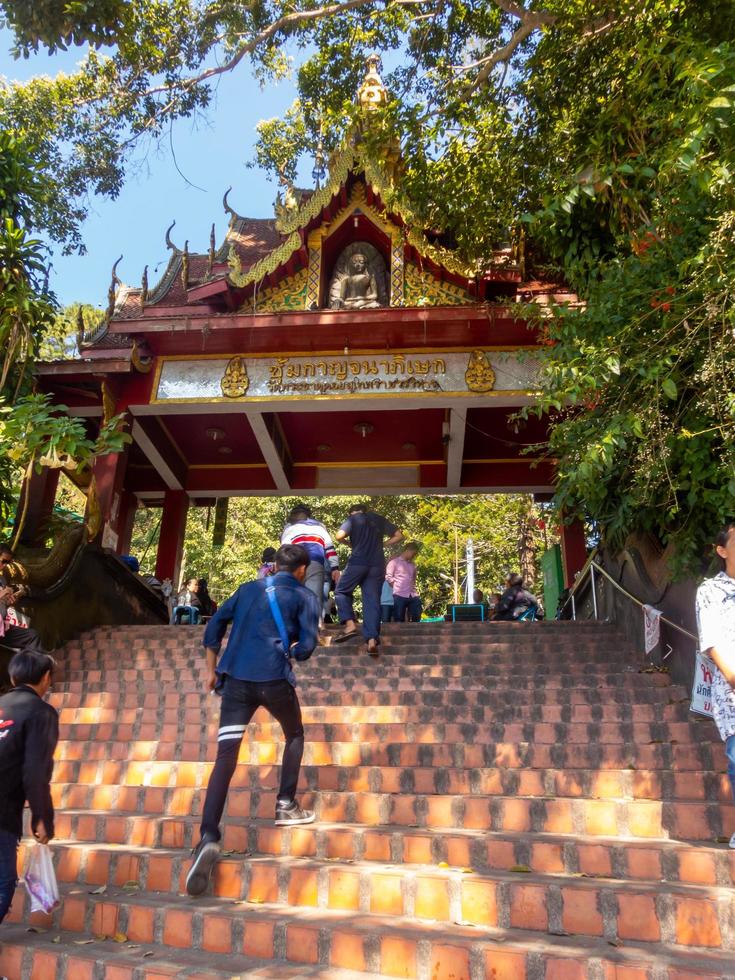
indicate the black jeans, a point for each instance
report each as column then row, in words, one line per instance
column 240, row 701
column 8, row 870
column 403, row 605
column 370, row 578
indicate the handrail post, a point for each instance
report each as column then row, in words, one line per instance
column 574, row 608
column 594, row 589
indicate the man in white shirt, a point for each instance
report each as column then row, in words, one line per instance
column 716, row 626
column 306, row 531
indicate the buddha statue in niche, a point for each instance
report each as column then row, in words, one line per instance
column 359, row 278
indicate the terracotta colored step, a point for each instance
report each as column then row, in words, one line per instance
column 611, row 908
column 398, row 714
column 599, row 703
column 463, row 731
column 349, row 656
column 62, row 958
column 90, row 743
column 638, row 819
column 367, row 678
column 597, row 780
column 392, row 945
column 591, row 784
column 650, row 860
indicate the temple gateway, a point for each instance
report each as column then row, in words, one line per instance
column 338, row 347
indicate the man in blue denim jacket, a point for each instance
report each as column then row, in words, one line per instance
column 255, row 670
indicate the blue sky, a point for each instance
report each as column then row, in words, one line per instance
column 211, row 154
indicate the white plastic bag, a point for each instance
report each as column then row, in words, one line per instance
column 40, row 879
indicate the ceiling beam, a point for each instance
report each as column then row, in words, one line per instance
column 455, row 449
column 272, row 442
column 148, row 433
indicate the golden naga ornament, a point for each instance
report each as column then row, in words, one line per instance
column 235, row 381
column 479, row 375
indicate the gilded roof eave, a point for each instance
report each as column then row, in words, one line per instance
column 352, row 159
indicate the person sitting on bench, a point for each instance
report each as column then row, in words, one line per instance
column 187, row 604
column 515, row 602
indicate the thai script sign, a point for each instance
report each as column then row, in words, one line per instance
column 702, row 686
column 404, row 372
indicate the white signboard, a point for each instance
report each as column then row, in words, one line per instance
column 477, row 372
column 702, row 686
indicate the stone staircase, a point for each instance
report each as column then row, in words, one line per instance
column 500, row 801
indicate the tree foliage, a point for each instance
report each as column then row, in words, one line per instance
column 644, row 371
column 60, row 339
column 33, row 432
column 608, row 126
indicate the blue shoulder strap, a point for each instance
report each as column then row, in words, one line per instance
column 278, row 617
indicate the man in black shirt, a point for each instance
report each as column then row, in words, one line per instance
column 365, row 568
column 29, row 731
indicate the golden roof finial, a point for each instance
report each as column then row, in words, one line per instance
column 372, row 94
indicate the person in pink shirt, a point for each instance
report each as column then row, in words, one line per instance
column 400, row 574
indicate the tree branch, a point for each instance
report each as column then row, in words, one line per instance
column 531, row 20
column 284, row 24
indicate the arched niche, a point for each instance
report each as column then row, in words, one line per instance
column 359, row 279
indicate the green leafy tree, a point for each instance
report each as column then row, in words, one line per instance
column 60, row 338
column 610, row 125
column 643, row 371
column 35, row 434
column 442, row 525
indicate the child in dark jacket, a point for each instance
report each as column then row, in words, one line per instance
column 29, row 731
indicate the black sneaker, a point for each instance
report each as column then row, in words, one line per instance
column 291, row 815
column 206, row 855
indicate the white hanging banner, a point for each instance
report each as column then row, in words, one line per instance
column 652, row 627
column 702, row 686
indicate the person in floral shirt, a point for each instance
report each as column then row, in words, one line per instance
column 716, row 626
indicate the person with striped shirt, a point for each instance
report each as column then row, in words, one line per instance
column 304, row 530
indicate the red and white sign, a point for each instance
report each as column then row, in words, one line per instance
column 702, row 686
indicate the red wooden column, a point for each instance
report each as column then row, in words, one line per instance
column 125, row 520
column 40, row 493
column 573, row 550
column 109, row 478
column 171, row 540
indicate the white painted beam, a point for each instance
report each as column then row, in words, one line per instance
column 455, row 449
column 155, row 458
column 270, row 452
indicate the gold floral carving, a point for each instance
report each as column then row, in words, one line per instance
column 287, row 295
column 354, row 157
column 235, row 381
column 424, row 289
column 479, row 375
